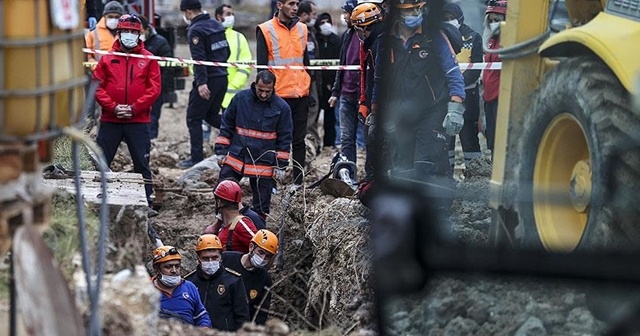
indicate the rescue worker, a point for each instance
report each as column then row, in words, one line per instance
column 495, row 14
column 255, row 137
column 346, row 87
column 234, row 230
column 308, row 15
column 222, row 290
column 240, row 51
column 282, row 41
column 91, row 12
column 159, row 46
column 207, row 42
column 425, row 94
column 253, row 268
column 179, row 298
column 106, row 29
column 471, row 53
column 126, row 114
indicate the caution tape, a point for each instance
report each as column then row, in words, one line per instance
column 330, row 64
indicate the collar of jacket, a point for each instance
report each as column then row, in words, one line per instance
column 255, row 95
column 200, row 17
column 207, row 277
column 289, row 24
column 120, row 48
column 375, row 34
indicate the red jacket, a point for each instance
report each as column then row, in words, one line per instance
column 242, row 234
column 491, row 78
column 128, row 81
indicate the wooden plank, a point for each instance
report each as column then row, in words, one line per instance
column 122, row 188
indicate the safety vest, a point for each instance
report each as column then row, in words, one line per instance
column 286, row 47
column 239, row 52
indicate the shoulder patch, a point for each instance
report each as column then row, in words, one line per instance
column 232, row 271
column 195, row 40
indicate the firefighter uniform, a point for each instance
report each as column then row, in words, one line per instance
column 256, row 282
column 256, row 137
column 224, row 296
column 207, row 42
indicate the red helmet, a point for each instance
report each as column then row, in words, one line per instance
column 496, row 6
column 129, row 22
column 228, row 190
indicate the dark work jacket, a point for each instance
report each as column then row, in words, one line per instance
column 255, row 281
column 471, row 40
column 328, row 47
column 159, row 46
column 372, row 46
column 224, row 297
column 207, row 42
column 255, row 218
column 337, row 84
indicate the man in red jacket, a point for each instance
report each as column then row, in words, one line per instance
column 127, row 89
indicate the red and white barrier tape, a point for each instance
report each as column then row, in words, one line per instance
column 252, row 65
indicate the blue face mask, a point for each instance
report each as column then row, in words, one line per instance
column 413, row 21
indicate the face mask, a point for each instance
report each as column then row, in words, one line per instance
column 129, row 40
column 187, row 21
column 229, row 21
column 495, row 28
column 258, row 261
column 210, row 267
column 112, row 23
column 170, row 280
column 325, row 29
column 312, row 22
column 413, row 21
column 454, row 23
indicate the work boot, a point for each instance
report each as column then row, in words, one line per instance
column 152, row 213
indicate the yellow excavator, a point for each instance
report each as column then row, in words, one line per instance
column 566, row 164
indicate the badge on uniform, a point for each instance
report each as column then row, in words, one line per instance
column 253, row 294
column 195, row 40
column 221, row 289
column 423, row 53
column 141, row 64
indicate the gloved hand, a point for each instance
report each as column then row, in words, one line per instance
column 279, row 174
column 220, row 159
column 92, row 23
column 454, row 120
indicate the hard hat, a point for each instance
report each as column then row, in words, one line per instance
column 370, row 1
column 496, row 6
column 165, row 253
column 366, row 14
column 409, row 3
column 208, row 242
column 266, row 240
column 228, row 190
column 129, row 22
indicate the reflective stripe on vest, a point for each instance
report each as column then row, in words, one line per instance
column 281, row 155
column 248, row 169
column 256, row 134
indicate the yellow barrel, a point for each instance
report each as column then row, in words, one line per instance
column 41, row 75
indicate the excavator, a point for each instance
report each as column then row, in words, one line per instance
column 566, row 160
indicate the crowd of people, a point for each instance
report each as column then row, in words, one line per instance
column 407, row 57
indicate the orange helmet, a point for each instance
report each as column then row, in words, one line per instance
column 366, row 14
column 409, row 3
column 165, row 253
column 208, row 242
column 228, row 190
column 266, row 240
column 496, row 6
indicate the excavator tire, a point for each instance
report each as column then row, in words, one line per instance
column 579, row 170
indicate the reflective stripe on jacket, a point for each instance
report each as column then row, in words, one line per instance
column 287, row 47
column 240, row 51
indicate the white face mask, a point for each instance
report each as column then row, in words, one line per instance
column 228, row 21
column 325, row 29
column 187, row 21
column 312, row 22
column 258, row 261
column 112, row 23
column 129, row 40
column 170, row 280
column 454, row 23
column 495, row 28
column 210, row 267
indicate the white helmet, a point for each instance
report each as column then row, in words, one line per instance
column 370, row 1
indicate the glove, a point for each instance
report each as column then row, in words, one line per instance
column 363, row 113
column 279, row 173
column 454, row 120
column 92, row 23
column 220, row 159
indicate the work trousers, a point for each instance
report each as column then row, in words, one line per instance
column 261, row 188
column 200, row 109
column 469, row 133
column 299, row 114
column 136, row 136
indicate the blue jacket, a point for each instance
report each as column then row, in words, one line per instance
column 256, row 135
column 207, row 42
column 184, row 304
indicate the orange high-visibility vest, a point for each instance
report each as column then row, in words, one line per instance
column 286, row 47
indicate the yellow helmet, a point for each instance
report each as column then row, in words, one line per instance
column 208, row 242
column 366, row 14
column 266, row 240
column 165, row 253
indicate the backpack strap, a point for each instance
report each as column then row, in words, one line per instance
column 232, row 226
